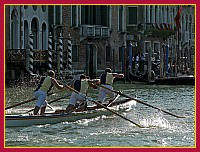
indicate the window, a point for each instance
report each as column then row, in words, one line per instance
column 95, row 15
column 120, row 54
column 51, row 13
column 132, row 15
column 108, row 53
column 186, row 27
column 99, row 56
column 74, row 15
column 43, row 8
column 34, row 29
column 44, row 38
column 120, row 17
column 151, row 14
column 35, row 7
column 167, row 20
column 26, row 35
column 58, row 14
column 75, row 53
column 14, row 30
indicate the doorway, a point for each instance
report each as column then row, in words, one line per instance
column 91, row 60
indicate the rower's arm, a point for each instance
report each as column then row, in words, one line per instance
column 116, row 75
column 93, row 83
column 56, row 84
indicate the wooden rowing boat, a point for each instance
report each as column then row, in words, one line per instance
column 55, row 117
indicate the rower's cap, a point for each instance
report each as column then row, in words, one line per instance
column 108, row 70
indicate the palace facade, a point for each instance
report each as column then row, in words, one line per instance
column 88, row 38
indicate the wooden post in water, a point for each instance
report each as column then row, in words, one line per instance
column 166, row 56
column 124, row 61
column 69, row 47
column 149, row 63
column 125, row 73
column 50, row 55
column 161, row 61
column 30, row 58
column 60, row 52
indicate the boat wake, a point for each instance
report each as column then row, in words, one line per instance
column 158, row 122
column 151, row 121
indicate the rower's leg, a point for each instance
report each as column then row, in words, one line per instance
column 36, row 110
column 42, row 111
column 69, row 108
column 101, row 95
column 82, row 105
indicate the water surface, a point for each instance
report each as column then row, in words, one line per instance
column 162, row 130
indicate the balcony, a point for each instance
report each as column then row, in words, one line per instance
column 94, row 31
column 15, row 58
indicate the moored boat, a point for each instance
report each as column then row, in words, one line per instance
column 54, row 117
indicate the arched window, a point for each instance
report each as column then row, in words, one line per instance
column 34, row 29
column 43, row 8
column 34, row 7
column 26, row 34
column 44, row 37
column 14, row 30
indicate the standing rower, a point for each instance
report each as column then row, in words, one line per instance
column 81, row 86
column 106, row 80
column 45, row 85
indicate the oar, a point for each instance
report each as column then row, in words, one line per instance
column 18, row 104
column 99, row 104
column 118, row 95
column 144, row 103
column 52, row 108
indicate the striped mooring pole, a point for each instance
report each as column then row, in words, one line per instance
column 60, row 50
column 69, row 46
column 50, row 51
column 30, row 53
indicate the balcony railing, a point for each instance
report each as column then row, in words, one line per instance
column 20, row 55
column 94, row 31
column 40, row 55
column 15, row 55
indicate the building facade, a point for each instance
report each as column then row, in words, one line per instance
column 89, row 38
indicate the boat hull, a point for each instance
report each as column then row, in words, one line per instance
column 52, row 118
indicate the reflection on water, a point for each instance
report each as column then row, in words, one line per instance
column 161, row 130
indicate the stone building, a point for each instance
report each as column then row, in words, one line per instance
column 99, row 36
column 21, row 22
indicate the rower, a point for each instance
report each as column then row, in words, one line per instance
column 106, row 80
column 45, row 85
column 81, row 85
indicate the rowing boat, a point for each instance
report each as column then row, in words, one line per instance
column 89, row 112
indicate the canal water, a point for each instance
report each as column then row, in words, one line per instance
column 161, row 130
